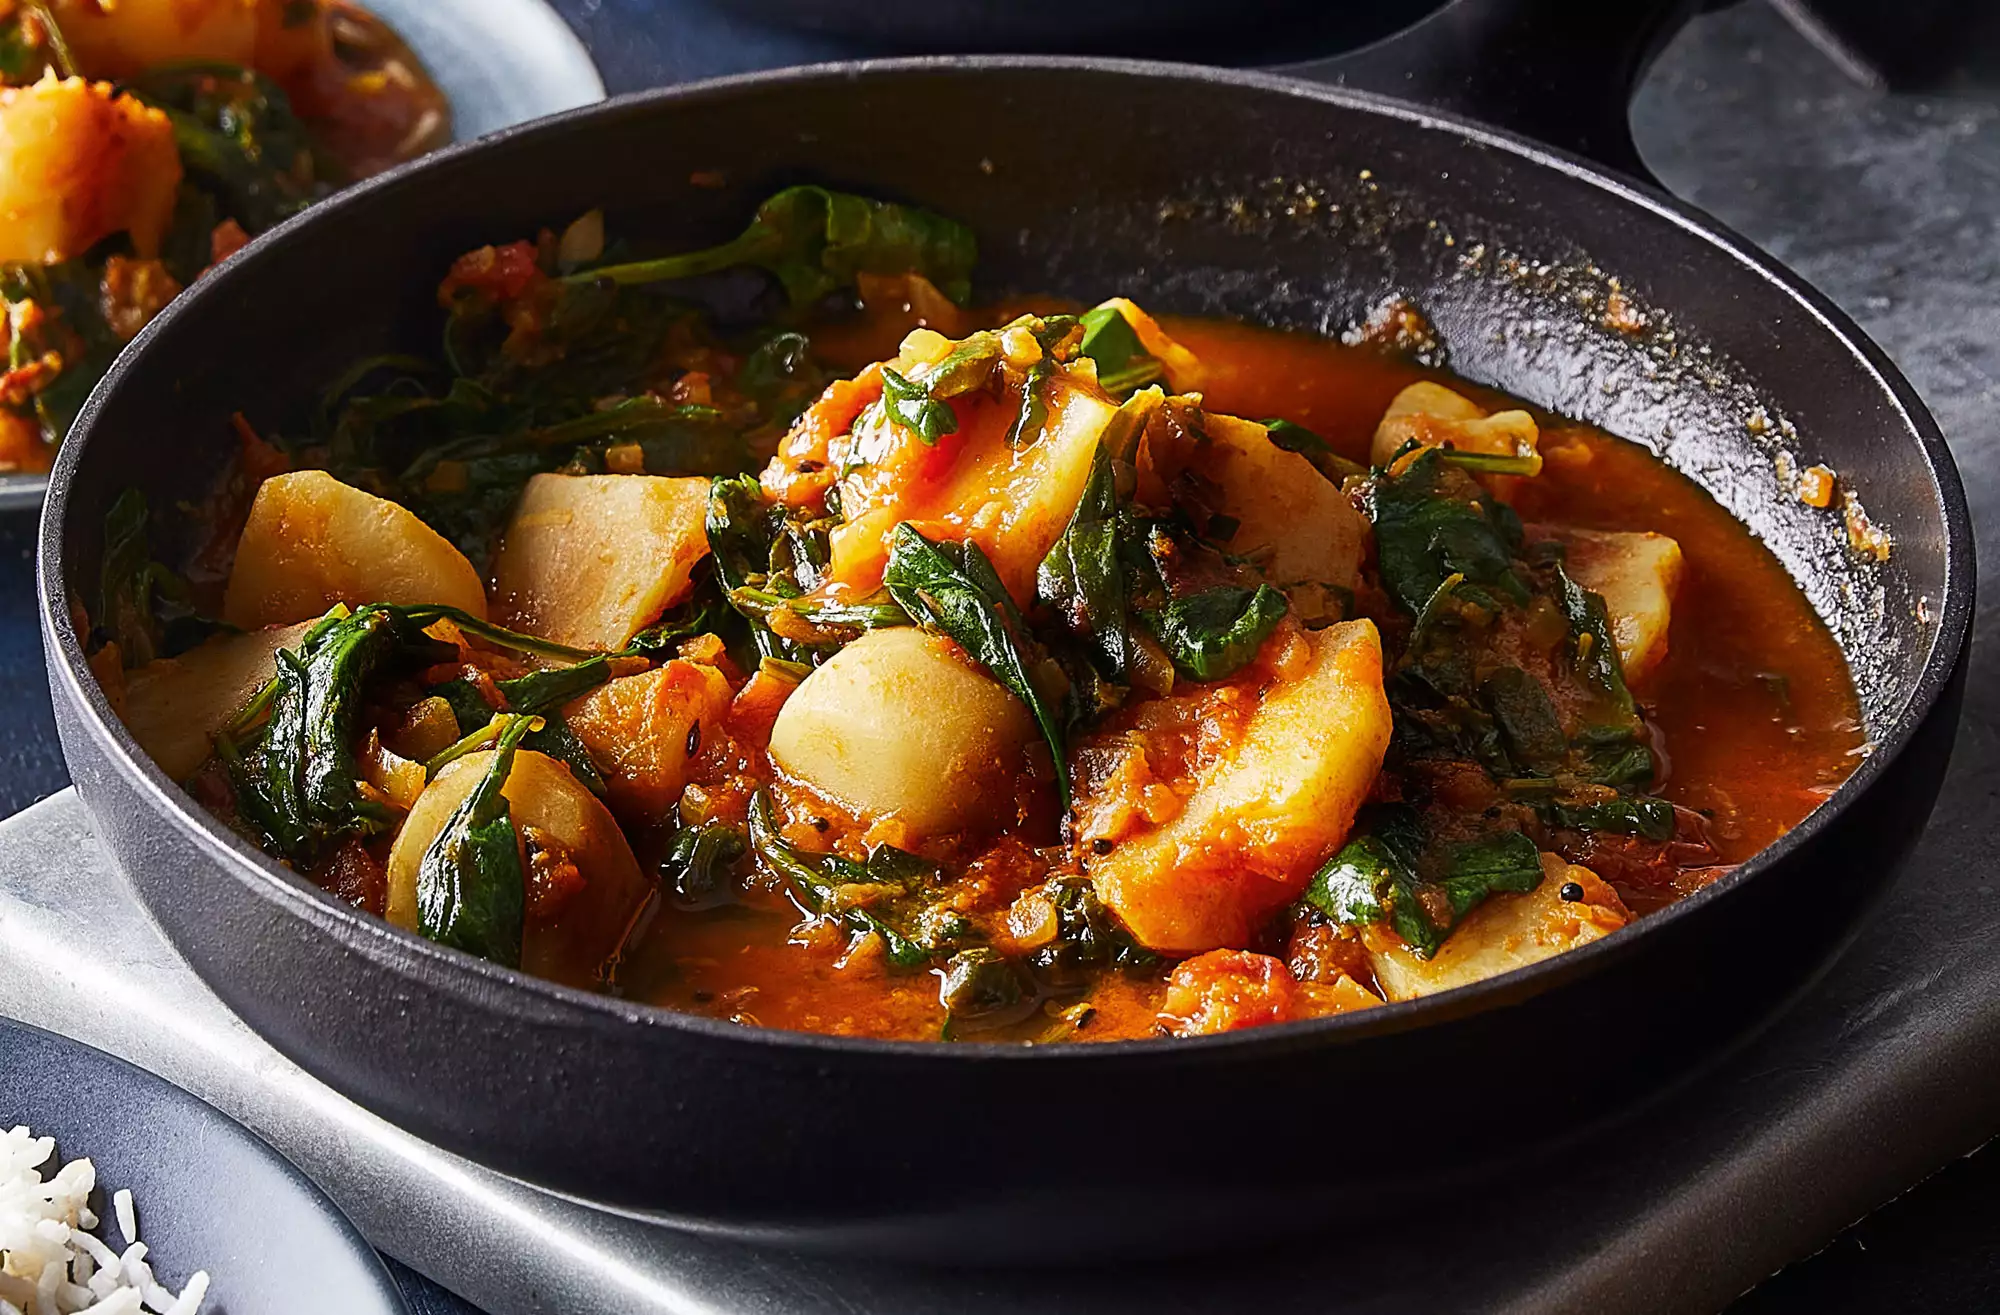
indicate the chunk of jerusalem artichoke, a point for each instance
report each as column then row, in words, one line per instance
column 1264, row 815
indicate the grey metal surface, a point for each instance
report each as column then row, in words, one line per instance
column 501, row 62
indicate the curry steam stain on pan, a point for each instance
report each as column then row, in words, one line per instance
column 208, row 1194
column 500, row 62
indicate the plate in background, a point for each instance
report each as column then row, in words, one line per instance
column 500, row 62
column 208, row 1194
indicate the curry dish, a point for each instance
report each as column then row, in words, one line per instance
column 143, row 141
column 877, row 665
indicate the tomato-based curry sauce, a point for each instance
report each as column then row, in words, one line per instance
column 1752, row 714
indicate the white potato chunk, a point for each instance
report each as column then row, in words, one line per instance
column 1266, row 813
column 541, row 793
column 126, row 38
column 78, row 164
column 1504, row 933
column 1291, row 519
column 591, row 560
column 1638, row 576
column 174, row 706
column 900, row 725
column 312, row 541
column 638, row 730
column 1435, row 416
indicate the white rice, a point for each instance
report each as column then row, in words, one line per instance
column 50, row 1264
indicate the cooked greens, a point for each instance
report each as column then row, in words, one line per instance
column 1082, row 578
column 1423, row 891
column 297, row 781
column 915, row 409
column 1214, row 633
column 1123, row 365
column 471, row 889
column 243, row 149
column 697, row 870
column 141, row 605
column 1456, row 561
column 816, row 242
column 952, row 588
column 886, row 896
column 59, row 336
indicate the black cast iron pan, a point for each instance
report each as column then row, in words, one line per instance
column 1203, row 191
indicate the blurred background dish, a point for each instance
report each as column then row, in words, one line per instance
column 495, row 63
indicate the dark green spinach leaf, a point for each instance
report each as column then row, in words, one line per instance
column 1299, row 439
column 1082, row 579
column 239, row 141
column 817, row 242
column 1632, row 815
column 1215, row 633
column 471, row 888
column 1375, row 879
column 141, row 605
column 983, row 988
column 1089, row 936
column 697, row 871
column 952, row 588
column 1034, row 413
column 912, row 406
column 884, row 896
column 299, row 786
column 1428, row 528
column 1123, row 365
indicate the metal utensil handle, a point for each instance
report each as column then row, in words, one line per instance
column 1560, row 71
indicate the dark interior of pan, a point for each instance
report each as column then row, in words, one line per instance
column 1220, row 194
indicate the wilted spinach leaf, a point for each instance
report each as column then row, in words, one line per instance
column 952, row 588
column 471, row 889
column 70, row 332
column 1427, row 528
column 1527, row 719
column 696, row 871
column 1123, row 364
column 817, row 241
column 299, row 785
column 1034, row 412
column 542, row 691
column 141, row 605
column 912, row 406
column 1082, row 579
column 885, row 895
column 982, row 987
column 1375, row 879
column 1596, row 652
column 1297, row 438
column 1213, row 634
column 1632, row 815
column 1089, row 936
column 238, row 138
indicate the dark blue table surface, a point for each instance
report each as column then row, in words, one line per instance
column 1932, row 1251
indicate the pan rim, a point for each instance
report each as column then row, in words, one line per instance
column 409, row 956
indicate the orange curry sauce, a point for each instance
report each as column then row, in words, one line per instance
column 1754, row 716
